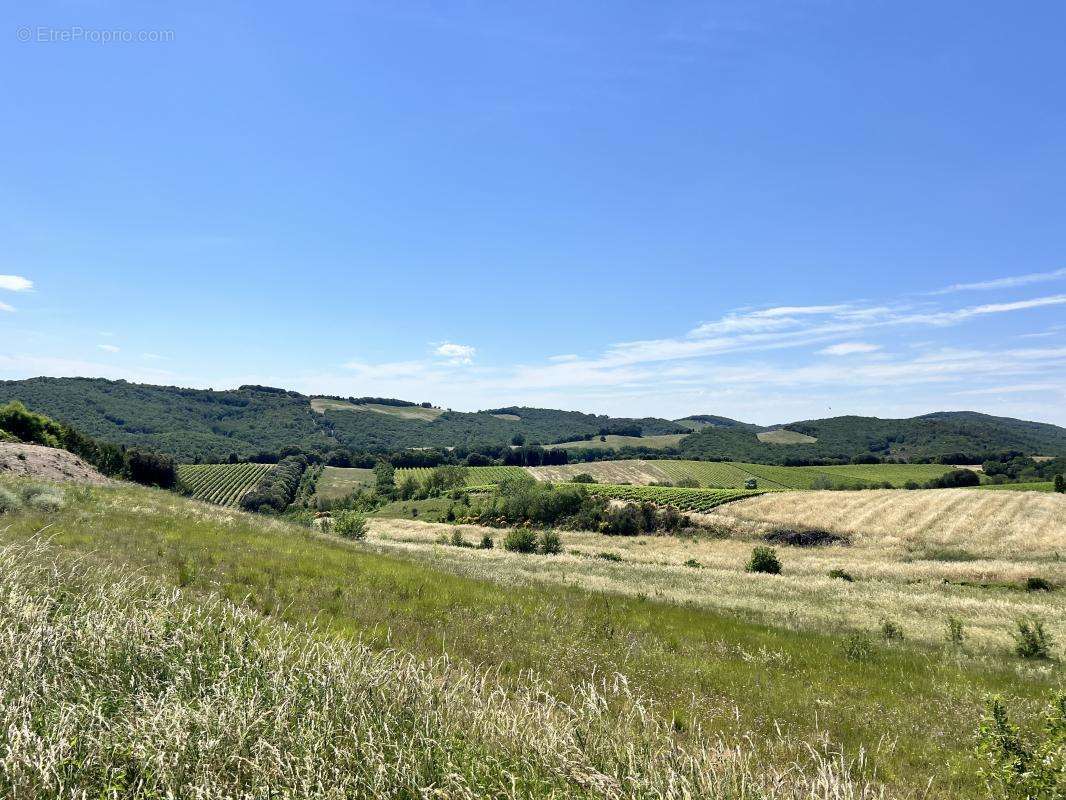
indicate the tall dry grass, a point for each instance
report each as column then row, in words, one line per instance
column 110, row 687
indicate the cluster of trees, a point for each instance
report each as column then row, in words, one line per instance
column 523, row 501
column 133, row 463
column 277, row 489
column 533, row 455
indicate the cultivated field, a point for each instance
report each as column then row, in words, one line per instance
column 670, row 673
column 689, row 500
column 337, row 482
column 1037, row 486
column 734, row 474
column 224, row 484
column 323, row 404
column 613, row 442
column 475, row 476
column 628, row 471
column 782, row 436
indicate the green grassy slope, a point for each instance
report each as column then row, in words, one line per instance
column 729, row 676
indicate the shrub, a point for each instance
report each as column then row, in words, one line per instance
column 1060, row 484
column 1031, row 640
column 350, row 524
column 549, row 543
column 956, row 634
column 693, row 563
column 151, row 469
column 486, row 542
column 955, row 479
column 687, row 482
column 583, row 477
column 609, row 556
column 764, row 559
column 1017, row 764
column 457, row 539
column 9, row 501
column 1035, row 583
column 891, row 631
column 857, row 647
column 520, row 540
column 841, row 574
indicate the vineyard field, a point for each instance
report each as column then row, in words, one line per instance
column 693, row 500
column 222, row 484
column 475, row 476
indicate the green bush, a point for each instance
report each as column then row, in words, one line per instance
column 349, row 524
column 520, row 540
column 956, row 634
column 1019, row 765
column 486, row 542
column 583, row 477
column 764, row 559
column 891, row 631
column 549, row 543
column 693, row 563
column 1031, row 640
column 9, row 501
column 1037, row 584
column 609, row 556
column 457, row 539
column 841, row 575
column 857, row 647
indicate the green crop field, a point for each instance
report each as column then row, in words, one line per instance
column 709, row 474
column 1035, row 486
column 475, row 476
column 697, row 500
column 223, row 484
column 337, row 482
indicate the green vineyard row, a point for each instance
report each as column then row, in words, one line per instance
column 222, row 484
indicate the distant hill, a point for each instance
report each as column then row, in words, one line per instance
column 931, row 435
column 208, row 425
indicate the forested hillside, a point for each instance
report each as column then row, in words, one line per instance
column 208, row 425
column 964, row 434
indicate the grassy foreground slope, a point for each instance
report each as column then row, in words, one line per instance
column 777, row 692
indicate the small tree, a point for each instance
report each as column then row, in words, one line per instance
column 1060, row 484
column 350, row 524
column 520, row 540
column 764, row 559
column 549, row 543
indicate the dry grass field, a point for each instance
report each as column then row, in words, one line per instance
column 916, row 558
column 629, row 471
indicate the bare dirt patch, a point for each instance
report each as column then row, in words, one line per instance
column 47, row 464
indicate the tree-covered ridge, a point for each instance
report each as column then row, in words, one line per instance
column 953, row 436
column 208, row 425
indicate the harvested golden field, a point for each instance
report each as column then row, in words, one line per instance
column 629, row 471
column 1016, row 525
column 944, row 554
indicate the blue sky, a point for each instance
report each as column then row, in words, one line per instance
column 771, row 211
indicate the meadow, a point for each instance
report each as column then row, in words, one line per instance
column 224, row 484
column 781, row 688
column 337, row 482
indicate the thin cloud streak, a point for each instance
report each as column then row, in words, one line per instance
column 1004, row 283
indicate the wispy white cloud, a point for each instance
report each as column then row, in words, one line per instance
column 15, row 283
column 455, row 353
column 849, row 348
column 109, row 348
column 6, row 307
column 1004, row 283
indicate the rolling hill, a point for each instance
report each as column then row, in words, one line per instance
column 209, row 425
